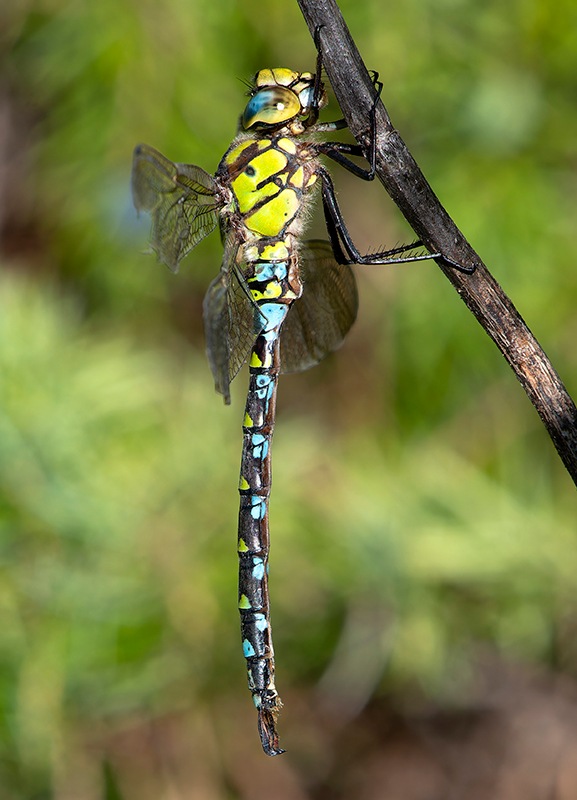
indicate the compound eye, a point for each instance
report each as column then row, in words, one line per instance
column 306, row 97
column 271, row 106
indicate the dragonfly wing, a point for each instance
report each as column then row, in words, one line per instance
column 319, row 320
column 232, row 321
column 181, row 199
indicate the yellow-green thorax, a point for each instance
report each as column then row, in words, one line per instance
column 269, row 179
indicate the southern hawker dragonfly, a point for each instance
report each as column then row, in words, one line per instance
column 278, row 301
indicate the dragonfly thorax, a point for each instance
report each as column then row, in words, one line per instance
column 280, row 96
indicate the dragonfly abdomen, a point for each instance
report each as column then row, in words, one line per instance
column 274, row 283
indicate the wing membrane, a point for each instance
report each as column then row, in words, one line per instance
column 232, row 321
column 181, row 200
column 319, row 320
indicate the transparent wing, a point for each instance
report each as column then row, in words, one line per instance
column 232, row 320
column 181, row 200
column 319, row 320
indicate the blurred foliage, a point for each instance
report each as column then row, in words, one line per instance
column 420, row 515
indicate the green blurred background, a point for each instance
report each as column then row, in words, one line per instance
column 420, row 516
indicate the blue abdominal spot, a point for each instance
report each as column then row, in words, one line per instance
column 269, row 270
column 247, row 649
column 274, row 314
column 260, row 622
column 258, row 568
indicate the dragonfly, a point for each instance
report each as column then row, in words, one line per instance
column 280, row 302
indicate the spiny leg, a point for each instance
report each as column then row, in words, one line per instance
column 343, row 246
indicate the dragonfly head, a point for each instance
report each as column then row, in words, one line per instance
column 279, row 96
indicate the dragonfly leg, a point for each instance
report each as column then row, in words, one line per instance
column 318, row 84
column 344, row 248
column 339, row 151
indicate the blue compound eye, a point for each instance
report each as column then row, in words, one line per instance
column 271, row 106
column 306, row 97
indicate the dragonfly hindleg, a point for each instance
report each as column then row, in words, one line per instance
column 345, row 249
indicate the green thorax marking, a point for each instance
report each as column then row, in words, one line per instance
column 268, row 178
